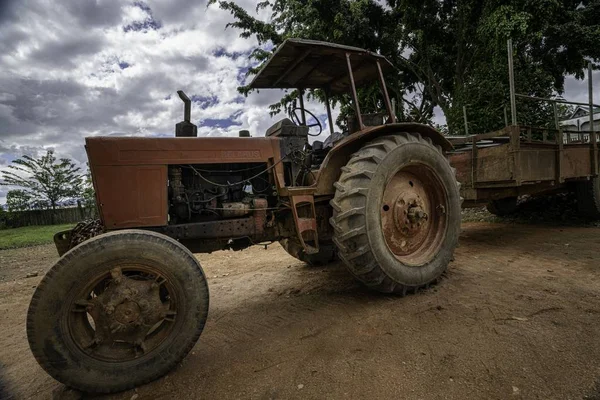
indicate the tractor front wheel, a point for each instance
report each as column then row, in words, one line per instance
column 396, row 213
column 117, row 311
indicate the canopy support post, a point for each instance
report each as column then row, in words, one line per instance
column 354, row 95
column 329, row 117
column 386, row 97
column 302, row 113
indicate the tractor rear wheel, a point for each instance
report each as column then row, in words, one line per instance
column 502, row 207
column 396, row 213
column 325, row 255
column 117, row 311
column 588, row 198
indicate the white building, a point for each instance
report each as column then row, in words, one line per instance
column 580, row 120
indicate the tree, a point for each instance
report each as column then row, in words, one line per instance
column 452, row 52
column 88, row 195
column 18, row 200
column 362, row 23
column 462, row 57
column 46, row 180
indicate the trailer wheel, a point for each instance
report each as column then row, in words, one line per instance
column 588, row 198
column 325, row 255
column 396, row 213
column 502, row 207
column 118, row 311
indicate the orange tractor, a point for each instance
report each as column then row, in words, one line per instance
column 127, row 300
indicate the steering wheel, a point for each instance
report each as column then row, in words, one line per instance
column 296, row 119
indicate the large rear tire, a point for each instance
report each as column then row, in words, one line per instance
column 396, row 213
column 118, row 311
column 588, row 198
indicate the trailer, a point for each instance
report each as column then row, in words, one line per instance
column 495, row 168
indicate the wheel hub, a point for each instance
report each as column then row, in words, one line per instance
column 409, row 219
column 126, row 311
column 409, row 215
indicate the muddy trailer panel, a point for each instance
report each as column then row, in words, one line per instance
column 519, row 160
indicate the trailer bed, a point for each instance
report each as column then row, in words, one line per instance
column 522, row 160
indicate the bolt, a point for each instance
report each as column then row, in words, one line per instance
column 109, row 309
column 116, row 275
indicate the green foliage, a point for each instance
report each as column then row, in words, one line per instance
column 88, row 195
column 452, row 53
column 44, row 181
column 459, row 53
column 29, row 235
column 3, row 217
column 18, row 200
column 361, row 23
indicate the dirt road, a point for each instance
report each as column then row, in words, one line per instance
column 518, row 316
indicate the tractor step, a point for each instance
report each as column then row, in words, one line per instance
column 305, row 220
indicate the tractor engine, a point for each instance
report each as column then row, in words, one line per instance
column 207, row 192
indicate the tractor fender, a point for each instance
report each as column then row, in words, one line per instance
column 339, row 155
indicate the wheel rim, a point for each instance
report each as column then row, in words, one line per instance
column 122, row 314
column 413, row 214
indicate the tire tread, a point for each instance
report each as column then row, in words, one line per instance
column 350, row 200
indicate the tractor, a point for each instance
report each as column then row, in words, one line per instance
column 127, row 300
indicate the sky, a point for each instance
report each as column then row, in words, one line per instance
column 76, row 68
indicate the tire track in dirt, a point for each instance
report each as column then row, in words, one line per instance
column 233, row 329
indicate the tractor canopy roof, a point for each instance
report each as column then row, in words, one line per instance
column 310, row 64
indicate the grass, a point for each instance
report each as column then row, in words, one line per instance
column 29, row 235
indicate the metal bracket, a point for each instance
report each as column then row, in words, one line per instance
column 305, row 220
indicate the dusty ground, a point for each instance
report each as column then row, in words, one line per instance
column 518, row 316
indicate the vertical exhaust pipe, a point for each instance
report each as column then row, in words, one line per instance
column 185, row 128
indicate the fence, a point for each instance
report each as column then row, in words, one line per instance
column 45, row 217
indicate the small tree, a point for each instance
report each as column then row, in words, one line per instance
column 47, row 180
column 3, row 217
column 18, row 200
column 88, row 196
